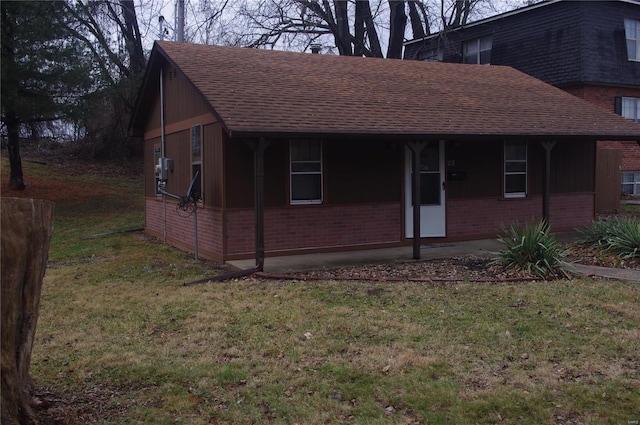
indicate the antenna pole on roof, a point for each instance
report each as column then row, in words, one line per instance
column 161, row 25
column 180, row 20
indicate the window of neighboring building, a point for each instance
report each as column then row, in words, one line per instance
column 478, row 50
column 632, row 31
column 631, row 182
column 630, row 108
column 515, row 169
column 196, row 160
column 305, row 158
column 432, row 55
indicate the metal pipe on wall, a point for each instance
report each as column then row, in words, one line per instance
column 163, row 154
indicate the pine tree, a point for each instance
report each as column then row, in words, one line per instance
column 43, row 72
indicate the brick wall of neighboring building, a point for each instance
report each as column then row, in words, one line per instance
column 180, row 228
column 315, row 227
column 604, row 96
column 483, row 218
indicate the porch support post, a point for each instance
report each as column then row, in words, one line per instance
column 416, row 149
column 547, row 145
column 258, row 147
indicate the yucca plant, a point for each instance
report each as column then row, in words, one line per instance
column 533, row 248
column 620, row 235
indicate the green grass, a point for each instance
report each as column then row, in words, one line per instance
column 121, row 341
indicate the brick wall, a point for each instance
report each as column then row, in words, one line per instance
column 180, row 228
column 480, row 218
column 356, row 226
column 604, row 96
column 315, row 227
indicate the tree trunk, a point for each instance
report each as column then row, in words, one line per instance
column 16, row 177
column 26, row 226
column 398, row 23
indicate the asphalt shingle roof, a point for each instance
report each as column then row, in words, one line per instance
column 271, row 92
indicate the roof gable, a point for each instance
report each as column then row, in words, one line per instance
column 256, row 92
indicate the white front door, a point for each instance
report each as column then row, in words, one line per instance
column 432, row 210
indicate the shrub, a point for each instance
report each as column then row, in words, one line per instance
column 620, row 235
column 532, row 248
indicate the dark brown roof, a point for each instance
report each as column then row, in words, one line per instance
column 257, row 92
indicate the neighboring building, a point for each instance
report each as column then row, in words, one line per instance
column 304, row 152
column 588, row 48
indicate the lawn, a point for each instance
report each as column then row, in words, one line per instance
column 121, row 341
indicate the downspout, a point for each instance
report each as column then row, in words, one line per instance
column 163, row 154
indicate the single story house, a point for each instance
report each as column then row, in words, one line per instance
column 298, row 153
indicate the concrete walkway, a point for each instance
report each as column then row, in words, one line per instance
column 611, row 273
column 484, row 247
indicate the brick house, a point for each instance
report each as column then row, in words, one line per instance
column 588, row 48
column 298, row 153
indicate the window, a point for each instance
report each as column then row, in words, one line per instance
column 629, row 107
column 632, row 31
column 432, row 55
column 515, row 169
column 157, row 153
column 305, row 158
column 631, row 182
column 430, row 189
column 478, row 50
column 196, row 160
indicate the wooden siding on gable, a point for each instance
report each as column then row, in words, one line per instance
column 182, row 101
column 184, row 108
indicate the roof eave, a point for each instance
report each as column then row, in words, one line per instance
column 284, row 134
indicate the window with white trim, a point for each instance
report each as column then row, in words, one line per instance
column 305, row 159
column 515, row 169
column 632, row 32
column 631, row 182
column 631, row 108
column 478, row 50
column 196, row 159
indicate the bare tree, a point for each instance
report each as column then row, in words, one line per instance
column 110, row 32
column 352, row 27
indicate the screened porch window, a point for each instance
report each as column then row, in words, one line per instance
column 515, row 169
column 305, row 157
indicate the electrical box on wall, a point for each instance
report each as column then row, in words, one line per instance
column 163, row 167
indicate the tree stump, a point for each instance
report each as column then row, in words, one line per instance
column 26, row 226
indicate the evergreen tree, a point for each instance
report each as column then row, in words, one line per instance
column 44, row 72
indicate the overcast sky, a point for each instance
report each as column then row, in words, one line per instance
column 149, row 11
